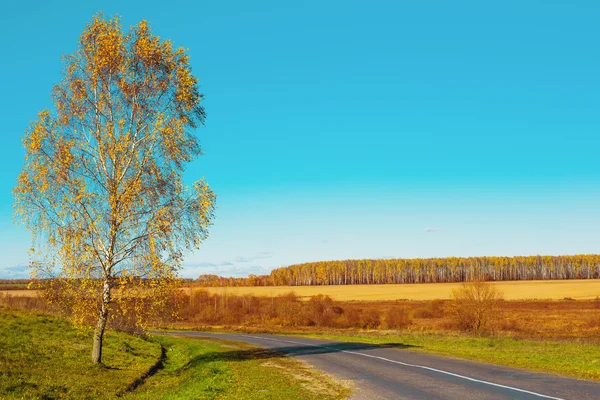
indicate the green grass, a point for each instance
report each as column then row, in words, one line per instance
column 218, row 369
column 580, row 360
column 44, row 357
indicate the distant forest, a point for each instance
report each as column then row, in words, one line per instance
column 430, row 270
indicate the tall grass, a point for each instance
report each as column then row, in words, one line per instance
column 562, row 319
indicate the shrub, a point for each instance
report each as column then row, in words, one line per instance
column 289, row 309
column 370, row 319
column 349, row 319
column 321, row 311
column 512, row 325
column 476, row 307
column 397, row 317
column 593, row 320
column 433, row 309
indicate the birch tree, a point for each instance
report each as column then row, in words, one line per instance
column 102, row 188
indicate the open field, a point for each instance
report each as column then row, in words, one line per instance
column 20, row 292
column 46, row 357
column 581, row 289
column 525, row 319
column 512, row 290
column 13, row 286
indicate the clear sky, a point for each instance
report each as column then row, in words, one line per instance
column 342, row 129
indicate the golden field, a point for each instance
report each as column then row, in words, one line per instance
column 584, row 289
column 535, row 310
column 512, row 290
column 19, row 292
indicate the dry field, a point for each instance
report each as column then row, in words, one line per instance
column 572, row 312
column 512, row 290
column 19, row 292
column 584, row 289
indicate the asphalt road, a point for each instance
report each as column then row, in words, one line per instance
column 389, row 372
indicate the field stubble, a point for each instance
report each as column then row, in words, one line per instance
column 581, row 289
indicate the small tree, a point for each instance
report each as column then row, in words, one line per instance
column 476, row 306
column 102, row 190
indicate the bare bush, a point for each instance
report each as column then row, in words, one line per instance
column 322, row 310
column 398, row 317
column 370, row 319
column 593, row 319
column 432, row 309
column 349, row 319
column 476, row 307
column 289, row 308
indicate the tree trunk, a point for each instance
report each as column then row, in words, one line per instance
column 101, row 324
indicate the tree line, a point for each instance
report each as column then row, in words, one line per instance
column 420, row 270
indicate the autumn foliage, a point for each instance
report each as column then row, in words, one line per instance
column 421, row 270
column 102, row 188
column 533, row 319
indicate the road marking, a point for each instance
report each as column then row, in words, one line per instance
column 413, row 366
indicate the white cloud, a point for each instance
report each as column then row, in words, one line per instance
column 15, row 272
column 434, row 229
column 240, row 266
column 258, row 256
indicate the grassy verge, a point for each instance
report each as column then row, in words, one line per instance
column 43, row 357
column 210, row 368
column 46, row 357
column 580, row 360
column 576, row 358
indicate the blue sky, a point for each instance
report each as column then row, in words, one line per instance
column 345, row 129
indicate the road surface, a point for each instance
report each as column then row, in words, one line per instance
column 389, row 372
